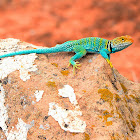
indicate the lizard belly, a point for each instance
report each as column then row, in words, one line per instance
column 92, row 51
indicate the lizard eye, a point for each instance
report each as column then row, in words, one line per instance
column 122, row 39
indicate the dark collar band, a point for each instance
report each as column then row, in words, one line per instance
column 109, row 48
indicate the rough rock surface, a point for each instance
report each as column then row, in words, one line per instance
column 40, row 98
column 51, row 22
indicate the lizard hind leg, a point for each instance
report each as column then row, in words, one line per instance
column 80, row 52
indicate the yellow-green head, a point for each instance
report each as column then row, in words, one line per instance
column 120, row 43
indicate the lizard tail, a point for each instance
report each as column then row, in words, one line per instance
column 57, row 48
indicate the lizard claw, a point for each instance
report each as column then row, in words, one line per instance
column 77, row 65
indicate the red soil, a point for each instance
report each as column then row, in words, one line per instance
column 50, row 22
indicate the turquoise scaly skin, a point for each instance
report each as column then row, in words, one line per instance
column 82, row 46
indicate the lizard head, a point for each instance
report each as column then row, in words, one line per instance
column 121, row 43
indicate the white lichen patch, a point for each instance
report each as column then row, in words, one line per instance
column 22, row 127
column 9, row 45
column 20, row 133
column 3, row 111
column 42, row 127
column 38, row 94
column 23, row 63
column 45, row 127
column 33, row 102
column 90, row 60
column 109, row 119
column 68, row 91
column 67, row 119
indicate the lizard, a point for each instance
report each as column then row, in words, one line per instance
column 82, row 46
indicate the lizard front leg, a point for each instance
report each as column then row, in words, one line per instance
column 106, row 54
column 80, row 52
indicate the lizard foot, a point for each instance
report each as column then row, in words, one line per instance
column 77, row 66
column 108, row 61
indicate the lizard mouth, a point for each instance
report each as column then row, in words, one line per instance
column 129, row 38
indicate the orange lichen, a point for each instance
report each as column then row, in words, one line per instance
column 138, row 118
column 109, row 123
column 112, row 111
column 87, row 136
column 100, row 116
column 115, row 136
column 54, row 64
column 51, row 84
column 130, row 109
column 117, row 98
column 22, row 66
column 126, row 98
column 123, row 87
column 73, row 134
column 120, row 116
column 65, row 72
column 106, row 116
column 92, row 126
column 106, row 85
column 84, row 91
column 106, row 95
column 136, row 99
column 131, row 125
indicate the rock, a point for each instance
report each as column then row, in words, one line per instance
column 48, row 23
column 40, row 98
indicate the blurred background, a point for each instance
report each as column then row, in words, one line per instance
column 51, row 22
